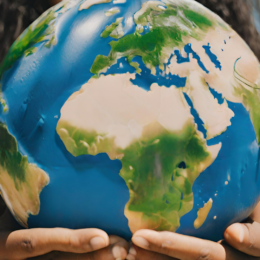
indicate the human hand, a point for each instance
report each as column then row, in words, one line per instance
column 242, row 242
column 56, row 244
column 61, row 244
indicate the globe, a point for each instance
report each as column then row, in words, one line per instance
column 130, row 114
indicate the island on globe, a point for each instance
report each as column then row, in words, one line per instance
column 130, row 114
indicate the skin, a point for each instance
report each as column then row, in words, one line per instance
column 242, row 241
column 56, row 243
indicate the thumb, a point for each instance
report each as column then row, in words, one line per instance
column 244, row 237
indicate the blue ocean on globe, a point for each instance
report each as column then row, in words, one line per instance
column 88, row 188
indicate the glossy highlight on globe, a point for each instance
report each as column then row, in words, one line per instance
column 145, row 111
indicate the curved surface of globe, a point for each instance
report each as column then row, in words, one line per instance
column 130, row 114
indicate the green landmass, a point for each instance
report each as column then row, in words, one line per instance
column 153, row 46
column 160, row 188
column 79, row 142
column 20, row 181
column 200, row 20
column 24, row 44
column 110, row 28
column 251, row 100
column 10, row 158
column 42, row 30
column 3, row 104
column 148, row 46
column 30, row 51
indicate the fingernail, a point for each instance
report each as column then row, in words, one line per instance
column 241, row 234
column 118, row 252
column 97, row 243
column 141, row 242
column 132, row 251
column 130, row 257
column 235, row 232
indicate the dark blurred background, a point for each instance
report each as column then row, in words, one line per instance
column 242, row 15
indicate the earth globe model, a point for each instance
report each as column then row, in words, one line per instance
column 130, row 114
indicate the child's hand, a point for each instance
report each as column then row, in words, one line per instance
column 242, row 242
column 60, row 244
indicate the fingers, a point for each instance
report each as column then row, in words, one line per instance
column 137, row 253
column 231, row 254
column 244, row 237
column 178, row 246
column 185, row 247
column 117, row 249
column 234, row 254
column 34, row 242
